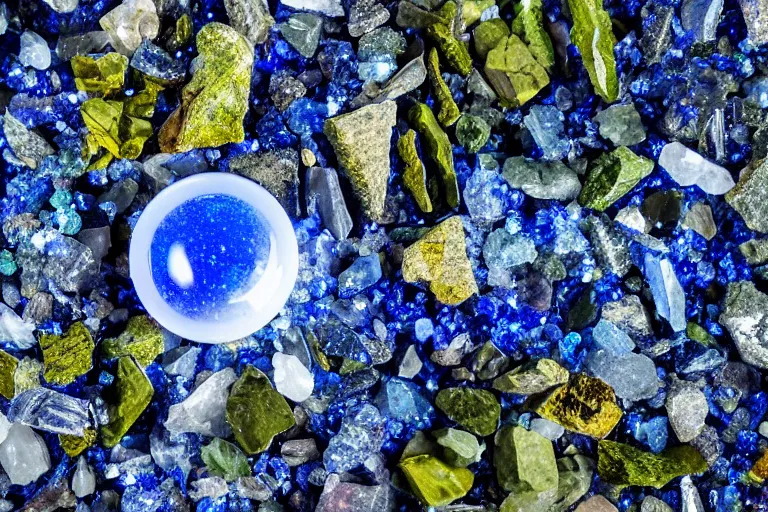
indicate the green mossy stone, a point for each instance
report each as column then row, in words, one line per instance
column 531, row 20
column 477, row 410
column 592, row 32
column 142, row 339
column 472, row 132
column 435, row 483
column 699, row 334
column 74, row 445
column 68, row 356
column 414, row 175
column 8, row 365
column 256, row 412
column 215, row 101
column 524, row 460
column 454, row 51
column 225, row 460
column 531, row 379
column 586, row 405
column 514, row 73
column 623, row 465
column 449, row 111
column 439, row 149
column 472, row 10
column 488, row 34
column 361, row 140
column 611, row 176
column 133, row 392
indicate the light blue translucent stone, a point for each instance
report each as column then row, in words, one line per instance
column 207, row 252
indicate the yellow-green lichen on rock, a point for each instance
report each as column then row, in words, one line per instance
column 440, row 259
column 361, row 140
column 8, row 365
column 74, row 445
column 214, row 102
column 435, row 483
column 531, row 22
column 67, row 356
column 514, row 73
column 439, row 149
column 531, row 379
column 592, row 32
column 454, row 50
column 105, row 75
column 414, row 175
column 622, row 465
column 449, row 111
column 132, row 393
column 142, row 339
column 585, row 405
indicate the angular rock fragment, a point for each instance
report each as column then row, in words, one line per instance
column 514, row 73
column 745, row 315
column 593, row 34
column 586, row 405
column 476, row 410
column 448, row 113
column 687, row 409
column 341, row 496
column 215, row 101
column 142, row 339
column 24, row 455
column 331, row 8
column 361, row 140
column 611, row 176
column 699, row 218
column 250, row 18
column 203, row 411
column 750, row 197
column 542, row 180
column 538, row 377
column 28, row 146
column 632, row 376
column 303, row 31
column 324, row 196
column 621, row 464
column 277, row 171
column 440, row 259
column 621, row 124
column 50, row 411
column 414, row 175
column 129, row 23
column 689, row 168
column 439, row 148
column 524, row 460
column 756, row 16
column 701, row 17
column 667, row 292
column 67, row 356
column 133, row 391
column 755, row 251
column 435, row 483
column 366, row 15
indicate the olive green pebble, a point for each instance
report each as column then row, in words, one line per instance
column 472, row 132
column 477, row 410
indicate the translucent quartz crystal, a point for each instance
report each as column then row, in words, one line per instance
column 689, row 168
column 34, row 51
column 24, row 455
column 213, row 257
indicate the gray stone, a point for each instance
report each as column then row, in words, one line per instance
column 81, row 44
column 629, row 315
column 652, row 504
column 411, row 76
column 98, row 240
column 701, row 17
column 39, row 308
column 366, row 15
column 667, row 292
column 452, row 355
column 609, row 244
column 750, row 196
column 341, row 496
column 251, row 18
column 324, row 196
column 284, row 89
column 545, row 124
column 542, row 180
column 28, row 146
column 708, row 444
column 122, row 194
column 303, row 31
column 24, row 455
column 621, row 124
column 687, row 409
column 606, row 336
column 277, row 171
column 34, row 51
column 213, row 487
column 331, row 8
column 657, row 37
column 756, row 16
column 632, row 376
column 296, row 452
column 745, row 316
column 699, row 218
column 203, row 411
column 502, row 250
column 181, row 361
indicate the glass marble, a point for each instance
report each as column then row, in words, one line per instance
column 213, row 257
column 208, row 252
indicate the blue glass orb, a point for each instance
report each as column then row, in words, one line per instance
column 213, row 257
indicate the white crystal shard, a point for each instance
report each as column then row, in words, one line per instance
column 129, row 23
column 15, row 330
column 411, row 364
column 688, row 168
column 330, row 8
column 203, row 412
column 84, row 479
column 667, row 292
column 24, row 455
column 34, row 51
column 5, row 427
column 62, row 5
column 292, row 379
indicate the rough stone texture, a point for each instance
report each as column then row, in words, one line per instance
column 67, row 356
column 699, row 218
column 215, row 101
column 24, row 455
column 133, row 391
column 593, row 35
column 514, row 73
column 414, row 175
column 476, row 410
column 745, row 315
column 129, row 23
column 361, row 140
column 256, row 411
column 586, row 405
column 755, row 251
column 8, row 366
column 303, row 31
column 531, row 379
column 440, row 258
column 652, row 504
column 251, row 18
column 542, row 180
column 611, row 176
column 524, row 460
column 629, row 315
column 277, row 171
column 756, row 16
column 609, row 244
column 331, row 8
column 621, row 124
column 142, row 339
column 448, row 112
column 341, row 496
column 596, row 503
column 366, row 15
column 750, row 196
column 687, row 408
column 621, row 464
column 26, row 144
column 701, row 17
column 203, row 411
column 632, row 376
column 324, row 196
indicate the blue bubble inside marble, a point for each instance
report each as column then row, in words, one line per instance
column 207, row 252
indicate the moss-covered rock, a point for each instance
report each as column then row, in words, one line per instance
column 439, row 149
column 68, row 356
column 514, row 73
column 611, row 176
column 621, row 464
column 142, row 339
column 435, row 483
column 414, row 175
column 132, row 393
column 476, row 410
